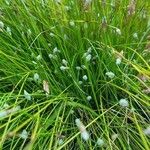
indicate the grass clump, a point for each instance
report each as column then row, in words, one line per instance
column 74, row 74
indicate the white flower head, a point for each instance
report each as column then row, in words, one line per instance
column 78, row 67
column 46, row 86
column 100, row 142
column 63, row 68
column 88, row 53
column 85, row 77
column 135, row 35
column 119, row 56
column 56, row 50
column 72, row 23
column 89, row 50
column 8, row 30
column 89, row 98
column 49, row 44
column 84, row 134
column 29, row 32
column 88, row 57
column 52, row 34
column 80, row 82
column 118, row 31
column 110, row 74
column 67, row 8
column 24, row 134
column 78, row 122
column 118, row 61
column 3, row 113
column 39, row 57
column 27, row 95
column 64, row 62
column 112, row 4
column 34, row 62
column 1, row 25
column 114, row 136
column 147, row 131
column 36, row 77
column 124, row 102
column 60, row 141
column 51, row 56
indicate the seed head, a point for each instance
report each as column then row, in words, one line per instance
column 123, row 102
column 85, row 77
column 100, row 142
column 89, row 98
column 110, row 74
column 147, row 131
column 1, row 25
column 27, row 95
column 24, row 134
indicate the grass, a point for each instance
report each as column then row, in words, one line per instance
column 41, row 100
